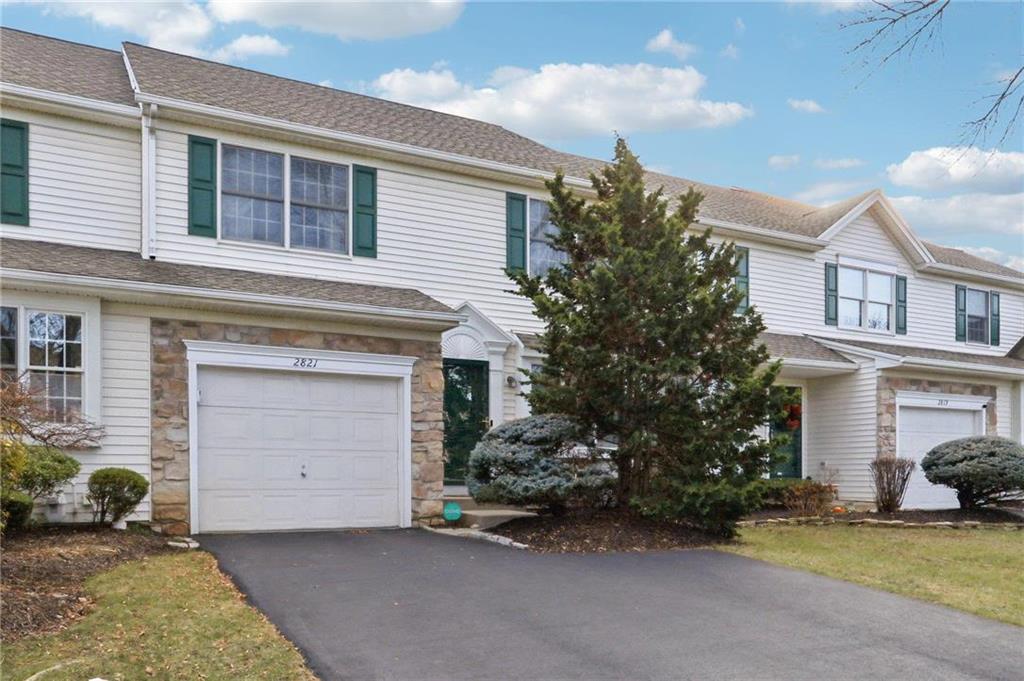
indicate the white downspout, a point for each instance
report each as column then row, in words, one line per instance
column 148, row 249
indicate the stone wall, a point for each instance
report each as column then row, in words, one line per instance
column 888, row 387
column 170, row 483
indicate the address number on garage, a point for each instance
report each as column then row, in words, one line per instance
column 305, row 362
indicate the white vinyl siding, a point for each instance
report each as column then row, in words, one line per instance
column 84, row 183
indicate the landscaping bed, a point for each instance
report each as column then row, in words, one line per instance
column 44, row 573
column 953, row 515
column 601, row 532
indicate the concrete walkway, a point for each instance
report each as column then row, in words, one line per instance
column 407, row 604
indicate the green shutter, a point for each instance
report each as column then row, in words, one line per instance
column 901, row 305
column 993, row 317
column 961, row 313
column 743, row 276
column 202, row 186
column 515, row 232
column 364, row 208
column 14, row 174
column 831, row 294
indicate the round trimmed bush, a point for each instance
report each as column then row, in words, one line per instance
column 47, row 471
column 15, row 510
column 982, row 469
column 537, row 461
column 115, row 492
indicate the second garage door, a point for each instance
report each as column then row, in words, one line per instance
column 281, row 450
column 921, row 428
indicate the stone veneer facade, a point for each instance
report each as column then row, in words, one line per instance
column 888, row 386
column 170, row 455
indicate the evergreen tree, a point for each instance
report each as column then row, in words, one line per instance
column 643, row 340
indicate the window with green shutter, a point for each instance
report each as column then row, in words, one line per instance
column 202, row 186
column 993, row 299
column 515, row 232
column 364, row 211
column 743, row 276
column 831, row 294
column 960, row 308
column 14, row 172
column 901, row 305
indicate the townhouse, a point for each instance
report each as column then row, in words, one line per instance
column 284, row 302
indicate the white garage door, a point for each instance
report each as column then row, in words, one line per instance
column 281, row 450
column 921, row 428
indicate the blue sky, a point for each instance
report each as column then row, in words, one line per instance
column 758, row 95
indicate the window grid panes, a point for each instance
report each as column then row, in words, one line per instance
column 9, row 342
column 543, row 254
column 977, row 316
column 318, row 214
column 865, row 299
column 252, row 195
column 55, row 361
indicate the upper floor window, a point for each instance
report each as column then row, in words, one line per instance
column 9, row 342
column 252, row 195
column 319, row 205
column 543, row 253
column 865, row 299
column 742, row 278
column 977, row 316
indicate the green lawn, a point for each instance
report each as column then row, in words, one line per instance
column 980, row 571
column 168, row 617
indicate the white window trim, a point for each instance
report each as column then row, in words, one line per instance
column 213, row 353
column 89, row 310
column 987, row 343
column 286, row 201
column 867, row 268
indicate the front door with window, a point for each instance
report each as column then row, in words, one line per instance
column 789, row 464
column 465, row 414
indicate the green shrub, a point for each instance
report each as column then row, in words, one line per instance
column 710, row 506
column 810, row 498
column 13, row 459
column 982, row 469
column 47, row 471
column 537, row 461
column 773, row 490
column 115, row 492
column 16, row 510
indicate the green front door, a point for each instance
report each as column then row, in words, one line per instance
column 791, row 424
column 465, row 414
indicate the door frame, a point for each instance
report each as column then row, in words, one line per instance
column 805, row 435
column 480, row 364
column 297, row 360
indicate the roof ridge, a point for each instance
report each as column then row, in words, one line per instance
column 62, row 40
column 331, row 89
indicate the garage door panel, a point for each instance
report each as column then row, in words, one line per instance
column 920, row 430
column 259, row 431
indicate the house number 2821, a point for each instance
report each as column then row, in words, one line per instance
column 305, row 362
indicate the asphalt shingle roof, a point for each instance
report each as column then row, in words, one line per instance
column 39, row 256
column 930, row 353
column 51, row 64
column 787, row 346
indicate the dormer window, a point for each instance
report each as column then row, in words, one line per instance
column 865, row 299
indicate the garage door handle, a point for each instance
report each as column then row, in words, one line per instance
column 303, row 473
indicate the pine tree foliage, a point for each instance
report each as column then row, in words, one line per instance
column 643, row 341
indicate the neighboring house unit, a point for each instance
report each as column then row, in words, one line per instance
column 269, row 293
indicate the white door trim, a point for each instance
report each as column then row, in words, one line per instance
column 301, row 360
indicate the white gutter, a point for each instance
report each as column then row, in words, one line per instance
column 967, row 273
column 355, row 309
column 944, row 365
column 362, row 140
column 803, row 363
column 69, row 100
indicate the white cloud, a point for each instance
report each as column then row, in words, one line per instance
column 838, row 163
column 805, row 106
column 964, row 213
column 830, row 6
column 739, row 26
column 344, row 20
column 1014, row 260
column 782, row 161
column 730, row 51
column 558, row 101
column 245, row 46
column 666, row 42
column 826, row 193
column 969, row 169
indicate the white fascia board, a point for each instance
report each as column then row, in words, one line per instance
column 973, row 275
column 70, row 101
column 351, row 138
column 799, row 241
column 802, row 363
column 889, row 360
column 255, row 299
column 876, row 197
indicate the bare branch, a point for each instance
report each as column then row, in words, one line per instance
column 24, row 417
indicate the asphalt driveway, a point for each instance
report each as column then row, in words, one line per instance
column 408, row 604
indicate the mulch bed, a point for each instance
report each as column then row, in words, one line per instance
column 601, row 532
column 44, row 572
column 953, row 515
